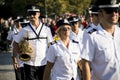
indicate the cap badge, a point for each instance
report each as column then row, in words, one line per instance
column 33, row 7
column 113, row 1
column 74, row 19
column 65, row 21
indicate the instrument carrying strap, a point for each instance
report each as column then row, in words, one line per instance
column 36, row 38
column 37, row 35
column 15, row 31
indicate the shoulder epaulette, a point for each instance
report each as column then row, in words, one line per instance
column 75, row 41
column 51, row 43
column 88, row 27
column 92, row 30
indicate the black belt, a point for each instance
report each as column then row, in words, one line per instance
column 36, row 38
column 72, row 78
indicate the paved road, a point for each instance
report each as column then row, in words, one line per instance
column 6, row 68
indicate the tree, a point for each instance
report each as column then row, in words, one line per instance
column 18, row 7
column 61, row 6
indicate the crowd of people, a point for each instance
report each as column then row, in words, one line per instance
column 7, row 25
column 69, row 47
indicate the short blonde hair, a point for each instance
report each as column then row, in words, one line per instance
column 58, row 30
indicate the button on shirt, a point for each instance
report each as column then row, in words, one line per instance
column 65, row 60
column 103, row 51
column 38, row 45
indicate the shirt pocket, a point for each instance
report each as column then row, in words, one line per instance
column 105, row 54
column 76, row 56
column 62, row 57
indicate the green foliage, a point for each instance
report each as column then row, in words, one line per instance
column 49, row 7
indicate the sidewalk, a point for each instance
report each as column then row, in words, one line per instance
column 6, row 67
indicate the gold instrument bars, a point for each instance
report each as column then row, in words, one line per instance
column 25, row 49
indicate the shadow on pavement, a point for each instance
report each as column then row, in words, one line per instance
column 5, row 59
column 6, row 67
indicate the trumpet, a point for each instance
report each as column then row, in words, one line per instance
column 25, row 49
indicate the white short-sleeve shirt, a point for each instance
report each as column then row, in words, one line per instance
column 77, row 37
column 11, row 33
column 103, row 52
column 11, row 36
column 65, row 60
column 39, row 46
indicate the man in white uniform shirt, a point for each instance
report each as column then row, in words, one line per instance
column 76, row 33
column 93, row 13
column 38, row 36
column 101, row 48
column 17, row 64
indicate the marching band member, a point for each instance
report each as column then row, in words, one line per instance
column 76, row 34
column 101, row 49
column 37, row 36
column 63, row 56
column 17, row 64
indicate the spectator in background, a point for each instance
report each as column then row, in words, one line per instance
column 53, row 27
column 4, row 32
column 84, row 22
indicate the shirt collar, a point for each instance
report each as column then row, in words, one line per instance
column 103, row 32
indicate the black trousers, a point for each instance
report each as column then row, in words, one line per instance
column 19, row 74
column 72, row 79
column 34, row 72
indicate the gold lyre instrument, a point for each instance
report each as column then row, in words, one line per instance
column 56, row 38
column 25, row 49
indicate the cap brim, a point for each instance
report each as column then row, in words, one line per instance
column 36, row 10
column 109, row 6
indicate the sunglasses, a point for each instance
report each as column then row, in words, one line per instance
column 31, row 13
column 65, row 29
column 111, row 10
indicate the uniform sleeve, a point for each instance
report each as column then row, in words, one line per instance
column 51, row 54
column 88, row 47
column 20, row 36
column 10, row 35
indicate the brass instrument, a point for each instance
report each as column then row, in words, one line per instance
column 25, row 49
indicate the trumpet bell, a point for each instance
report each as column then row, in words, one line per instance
column 24, row 57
